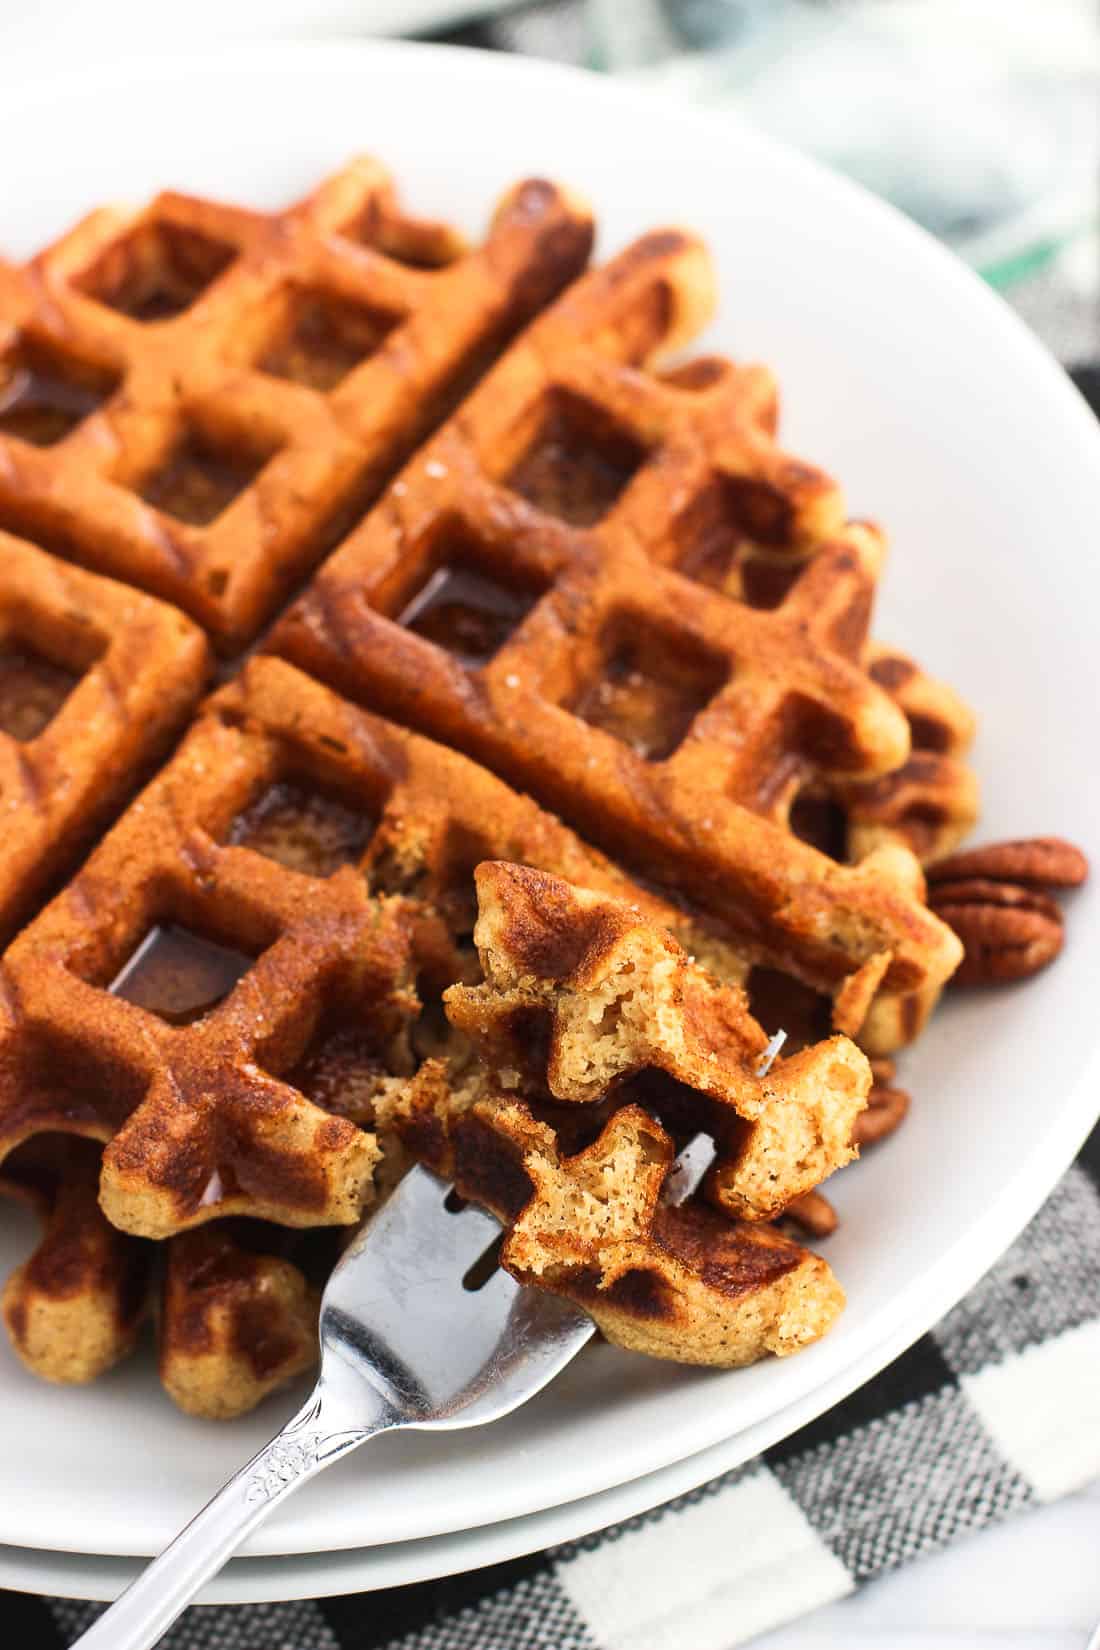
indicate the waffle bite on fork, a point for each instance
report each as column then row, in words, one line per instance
column 595, row 1045
column 594, row 995
column 672, row 1281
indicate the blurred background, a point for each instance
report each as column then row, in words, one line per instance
column 979, row 118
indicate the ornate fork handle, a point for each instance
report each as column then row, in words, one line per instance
column 329, row 1425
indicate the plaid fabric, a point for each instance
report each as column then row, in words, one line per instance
column 994, row 1412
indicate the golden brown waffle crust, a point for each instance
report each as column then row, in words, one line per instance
column 312, row 456
column 439, row 814
column 930, row 803
column 198, row 1124
column 75, row 1307
column 235, row 1324
column 161, row 1096
column 674, row 1282
column 786, row 697
column 233, row 1321
column 144, row 666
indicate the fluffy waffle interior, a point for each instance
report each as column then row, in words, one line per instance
column 592, row 1048
column 600, row 588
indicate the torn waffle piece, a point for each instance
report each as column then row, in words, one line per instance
column 678, row 1282
column 583, row 996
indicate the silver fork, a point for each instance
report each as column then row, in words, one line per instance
column 403, row 1344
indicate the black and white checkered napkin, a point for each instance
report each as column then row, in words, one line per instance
column 994, row 1412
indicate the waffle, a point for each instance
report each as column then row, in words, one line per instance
column 94, row 681
column 930, row 802
column 590, row 1025
column 430, row 817
column 270, row 986
column 513, row 593
column 75, row 1308
column 187, row 974
column 236, row 1319
column 928, row 806
column 222, row 959
column 201, row 399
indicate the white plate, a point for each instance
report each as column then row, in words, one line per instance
column 398, row 1563
column 908, row 379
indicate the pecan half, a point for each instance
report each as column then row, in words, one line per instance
column 983, row 891
column 995, row 899
column 885, row 1110
column 1005, row 937
column 812, row 1213
column 1037, row 862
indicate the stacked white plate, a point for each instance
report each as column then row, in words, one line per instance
column 907, row 379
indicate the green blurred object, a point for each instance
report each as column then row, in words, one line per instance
column 978, row 118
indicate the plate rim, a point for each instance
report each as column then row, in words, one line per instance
column 263, row 1578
